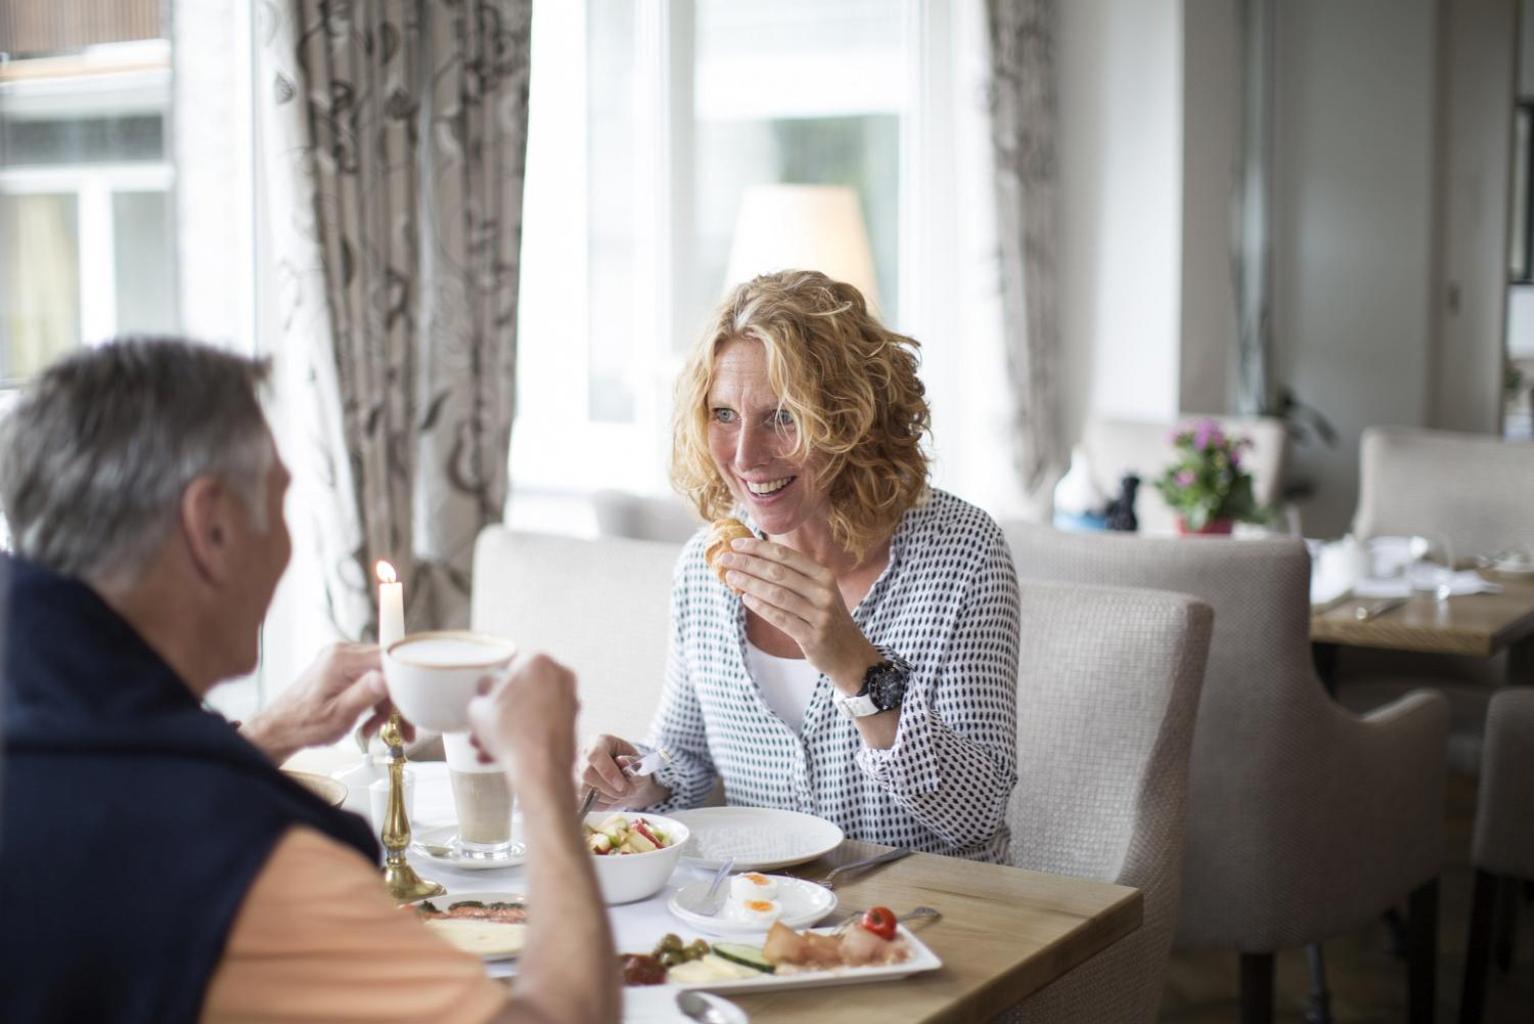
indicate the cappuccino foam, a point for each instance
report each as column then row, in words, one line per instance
column 450, row 652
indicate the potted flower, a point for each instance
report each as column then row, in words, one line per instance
column 1207, row 485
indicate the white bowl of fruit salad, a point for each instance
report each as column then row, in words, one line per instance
column 634, row 854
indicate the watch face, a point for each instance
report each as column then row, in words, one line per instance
column 886, row 685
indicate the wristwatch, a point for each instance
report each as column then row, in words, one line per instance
column 883, row 687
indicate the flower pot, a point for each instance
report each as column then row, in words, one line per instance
column 1213, row 528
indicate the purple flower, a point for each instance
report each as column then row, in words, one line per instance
column 1186, row 478
column 1207, row 435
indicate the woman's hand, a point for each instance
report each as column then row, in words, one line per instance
column 801, row 597
column 605, row 760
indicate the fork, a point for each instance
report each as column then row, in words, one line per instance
column 914, row 914
column 636, row 769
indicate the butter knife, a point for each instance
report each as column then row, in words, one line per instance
column 858, row 865
column 1365, row 612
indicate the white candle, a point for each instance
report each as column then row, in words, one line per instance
column 391, row 606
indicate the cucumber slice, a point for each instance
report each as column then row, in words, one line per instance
column 746, row 956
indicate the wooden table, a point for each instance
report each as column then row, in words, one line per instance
column 1474, row 624
column 1005, row 933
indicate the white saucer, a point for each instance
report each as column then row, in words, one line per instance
column 804, row 904
column 446, row 836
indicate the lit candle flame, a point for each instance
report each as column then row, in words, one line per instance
column 385, row 572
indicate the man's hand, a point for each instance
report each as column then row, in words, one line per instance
column 324, row 703
column 527, row 723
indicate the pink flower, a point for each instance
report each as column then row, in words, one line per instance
column 1186, row 478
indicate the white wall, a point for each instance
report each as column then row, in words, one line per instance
column 1353, row 201
column 1480, row 46
column 1121, row 154
column 1213, row 86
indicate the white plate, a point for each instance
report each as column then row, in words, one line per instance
column 759, row 838
column 446, row 902
column 445, row 836
column 804, row 903
column 922, row 959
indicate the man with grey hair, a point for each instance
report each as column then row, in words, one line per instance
column 156, row 866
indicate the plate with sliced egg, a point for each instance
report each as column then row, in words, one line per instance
column 753, row 902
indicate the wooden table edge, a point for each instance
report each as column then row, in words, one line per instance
column 1119, row 921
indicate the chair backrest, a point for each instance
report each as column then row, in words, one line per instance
column 1504, row 814
column 1268, row 737
column 1115, row 447
column 1476, row 490
column 643, row 516
column 602, row 606
column 1108, row 688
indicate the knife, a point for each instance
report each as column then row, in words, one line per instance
column 1365, row 612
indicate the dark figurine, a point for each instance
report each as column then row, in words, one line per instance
column 1121, row 510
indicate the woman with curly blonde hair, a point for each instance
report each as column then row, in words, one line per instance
column 852, row 652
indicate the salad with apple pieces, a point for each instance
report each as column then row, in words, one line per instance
column 620, row 834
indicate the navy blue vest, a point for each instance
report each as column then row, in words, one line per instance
column 131, row 820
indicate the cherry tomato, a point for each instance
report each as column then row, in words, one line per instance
column 880, row 921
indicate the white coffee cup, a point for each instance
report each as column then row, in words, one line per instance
column 433, row 676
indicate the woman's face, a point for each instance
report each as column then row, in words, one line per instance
column 750, row 441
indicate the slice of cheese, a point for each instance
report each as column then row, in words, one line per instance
column 488, row 939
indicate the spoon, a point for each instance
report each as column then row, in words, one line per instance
column 706, row 1009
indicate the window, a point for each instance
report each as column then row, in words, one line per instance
column 87, row 232
column 649, row 120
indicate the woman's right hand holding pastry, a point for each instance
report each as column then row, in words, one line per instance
column 605, row 761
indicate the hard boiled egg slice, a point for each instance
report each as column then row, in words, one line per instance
column 753, row 886
column 760, row 913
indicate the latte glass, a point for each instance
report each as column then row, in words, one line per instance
column 483, row 798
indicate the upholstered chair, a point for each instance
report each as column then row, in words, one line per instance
column 1115, row 447
column 1107, row 690
column 1305, row 821
column 602, row 607
column 1476, row 490
column 643, row 516
column 1502, row 852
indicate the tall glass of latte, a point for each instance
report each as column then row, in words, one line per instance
column 483, row 798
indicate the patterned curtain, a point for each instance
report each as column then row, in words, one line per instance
column 1023, row 117
column 397, row 135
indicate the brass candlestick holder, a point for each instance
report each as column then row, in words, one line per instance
column 402, row 881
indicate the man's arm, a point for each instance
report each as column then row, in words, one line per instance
column 569, row 969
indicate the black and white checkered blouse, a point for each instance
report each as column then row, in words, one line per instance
column 947, row 602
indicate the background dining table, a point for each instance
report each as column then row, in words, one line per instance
column 1475, row 624
column 1004, row 934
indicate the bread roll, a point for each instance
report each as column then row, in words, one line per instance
column 720, row 535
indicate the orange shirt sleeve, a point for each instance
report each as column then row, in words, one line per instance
column 318, row 939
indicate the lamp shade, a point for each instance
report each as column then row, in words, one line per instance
column 802, row 227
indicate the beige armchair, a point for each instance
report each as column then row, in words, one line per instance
column 603, row 607
column 1305, row 821
column 1115, row 447
column 1503, row 849
column 1476, row 490
column 1106, row 695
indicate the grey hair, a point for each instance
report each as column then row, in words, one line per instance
column 96, row 454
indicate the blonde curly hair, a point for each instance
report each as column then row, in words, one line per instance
column 850, row 385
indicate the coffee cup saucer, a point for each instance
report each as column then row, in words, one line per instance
column 441, row 845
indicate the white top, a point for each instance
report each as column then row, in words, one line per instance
column 947, row 603
column 787, row 684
